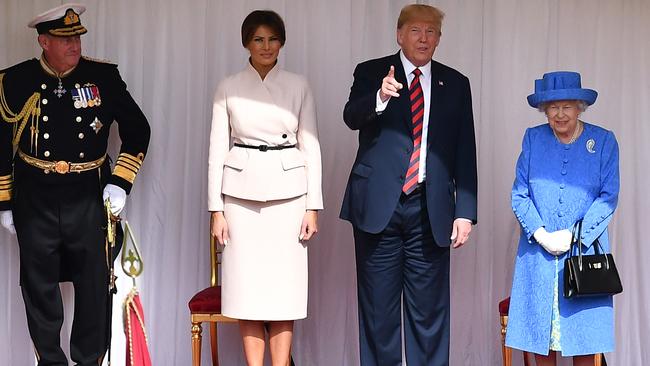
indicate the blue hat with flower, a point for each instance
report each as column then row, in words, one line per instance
column 560, row 85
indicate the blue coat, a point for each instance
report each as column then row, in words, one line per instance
column 555, row 186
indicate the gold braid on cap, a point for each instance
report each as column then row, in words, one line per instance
column 31, row 110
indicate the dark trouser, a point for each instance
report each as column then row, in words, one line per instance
column 60, row 235
column 403, row 263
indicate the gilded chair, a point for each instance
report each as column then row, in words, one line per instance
column 504, row 307
column 506, row 352
column 205, row 306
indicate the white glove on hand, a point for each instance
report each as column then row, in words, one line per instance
column 7, row 221
column 117, row 195
column 556, row 243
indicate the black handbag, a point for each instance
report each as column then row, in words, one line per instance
column 589, row 275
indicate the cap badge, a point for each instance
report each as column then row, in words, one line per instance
column 70, row 17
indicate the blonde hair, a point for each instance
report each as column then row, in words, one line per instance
column 421, row 12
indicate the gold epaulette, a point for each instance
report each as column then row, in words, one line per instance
column 127, row 166
column 99, row 60
column 31, row 110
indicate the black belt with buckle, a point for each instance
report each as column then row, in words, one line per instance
column 265, row 147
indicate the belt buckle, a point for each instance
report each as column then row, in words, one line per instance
column 62, row 167
column 263, row 148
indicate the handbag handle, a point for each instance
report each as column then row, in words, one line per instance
column 576, row 241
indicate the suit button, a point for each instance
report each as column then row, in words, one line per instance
column 284, row 135
column 46, row 154
column 45, row 118
column 43, row 86
column 77, row 86
column 563, row 171
column 562, row 185
column 78, row 119
column 81, row 155
column 560, row 213
column 81, row 136
column 44, row 101
column 46, row 135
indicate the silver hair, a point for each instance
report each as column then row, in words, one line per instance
column 582, row 106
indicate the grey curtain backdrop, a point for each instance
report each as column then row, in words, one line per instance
column 173, row 53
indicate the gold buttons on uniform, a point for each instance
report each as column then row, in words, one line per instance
column 45, row 118
column 44, row 101
column 81, row 135
column 81, row 155
column 76, row 86
column 43, row 86
column 46, row 135
column 78, row 119
column 46, row 154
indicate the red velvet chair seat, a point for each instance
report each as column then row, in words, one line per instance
column 206, row 301
column 504, row 306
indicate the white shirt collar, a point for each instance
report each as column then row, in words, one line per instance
column 409, row 67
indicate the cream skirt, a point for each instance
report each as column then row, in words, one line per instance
column 264, row 271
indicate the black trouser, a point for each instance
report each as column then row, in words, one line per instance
column 60, row 235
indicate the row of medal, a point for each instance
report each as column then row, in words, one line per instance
column 86, row 96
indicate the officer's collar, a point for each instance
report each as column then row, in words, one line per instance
column 50, row 70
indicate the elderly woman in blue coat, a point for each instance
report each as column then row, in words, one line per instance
column 567, row 171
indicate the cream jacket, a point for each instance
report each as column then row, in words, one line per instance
column 278, row 110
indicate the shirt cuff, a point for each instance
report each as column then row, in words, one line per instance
column 464, row 219
column 381, row 106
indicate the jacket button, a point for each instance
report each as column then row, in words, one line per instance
column 45, row 118
column 78, row 119
column 284, row 135
column 81, row 155
column 44, row 101
column 46, row 135
column 43, row 86
column 81, row 136
column 46, row 154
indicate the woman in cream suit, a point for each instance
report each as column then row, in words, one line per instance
column 264, row 190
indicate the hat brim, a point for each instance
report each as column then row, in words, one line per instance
column 587, row 95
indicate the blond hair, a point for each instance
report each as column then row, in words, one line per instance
column 421, row 12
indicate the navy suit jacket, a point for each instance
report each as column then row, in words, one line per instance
column 386, row 144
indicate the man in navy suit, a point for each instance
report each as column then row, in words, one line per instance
column 411, row 193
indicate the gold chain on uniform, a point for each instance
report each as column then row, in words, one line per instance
column 30, row 109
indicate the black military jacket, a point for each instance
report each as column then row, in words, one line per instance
column 67, row 118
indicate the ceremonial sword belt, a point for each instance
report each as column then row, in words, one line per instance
column 263, row 148
column 61, row 167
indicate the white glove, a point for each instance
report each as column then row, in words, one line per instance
column 7, row 221
column 556, row 243
column 117, row 195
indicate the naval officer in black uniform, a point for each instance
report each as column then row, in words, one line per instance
column 56, row 113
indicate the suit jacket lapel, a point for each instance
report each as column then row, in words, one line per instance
column 404, row 100
column 434, row 102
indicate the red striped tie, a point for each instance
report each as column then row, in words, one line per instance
column 417, row 112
